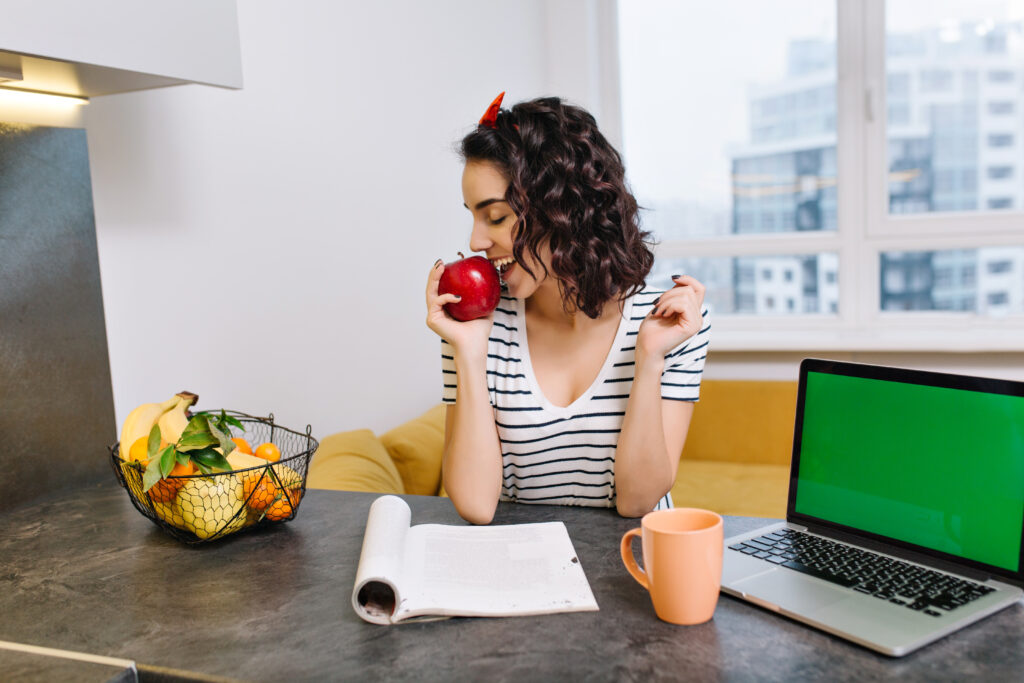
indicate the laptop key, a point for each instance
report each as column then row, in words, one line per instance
column 818, row 574
column 776, row 559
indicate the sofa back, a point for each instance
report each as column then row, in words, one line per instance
column 748, row 421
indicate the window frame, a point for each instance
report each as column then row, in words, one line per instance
column 865, row 229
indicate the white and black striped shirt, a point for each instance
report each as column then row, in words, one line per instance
column 566, row 455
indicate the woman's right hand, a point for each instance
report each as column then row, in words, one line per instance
column 467, row 338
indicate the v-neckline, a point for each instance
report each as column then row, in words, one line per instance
column 606, row 366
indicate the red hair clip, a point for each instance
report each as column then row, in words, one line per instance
column 490, row 117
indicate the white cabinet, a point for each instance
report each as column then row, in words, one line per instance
column 102, row 47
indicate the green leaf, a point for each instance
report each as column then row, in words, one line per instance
column 226, row 444
column 197, row 424
column 182, row 458
column 228, row 421
column 195, row 442
column 202, row 468
column 196, row 435
column 166, row 461
column 152, row 474
column 210, row 458
column 153, row 445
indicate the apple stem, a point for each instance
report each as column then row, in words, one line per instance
column 461, row 255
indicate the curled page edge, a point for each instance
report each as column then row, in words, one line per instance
column 376, row 596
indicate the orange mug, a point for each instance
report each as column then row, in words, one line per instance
column 682, row 551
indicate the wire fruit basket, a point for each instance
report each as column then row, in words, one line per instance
column 199, row 508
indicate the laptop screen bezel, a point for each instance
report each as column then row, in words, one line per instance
column 920, row 377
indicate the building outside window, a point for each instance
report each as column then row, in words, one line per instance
column 743, row 167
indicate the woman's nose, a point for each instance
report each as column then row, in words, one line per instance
column 478, row 240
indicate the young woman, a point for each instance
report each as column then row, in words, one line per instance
column 579, row 388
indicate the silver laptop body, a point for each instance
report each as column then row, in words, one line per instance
column 906, row 507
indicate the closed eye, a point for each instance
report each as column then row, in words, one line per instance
column 498, row 221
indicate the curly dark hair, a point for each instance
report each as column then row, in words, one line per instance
column 567, row 188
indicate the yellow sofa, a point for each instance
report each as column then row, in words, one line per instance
column 736, row 458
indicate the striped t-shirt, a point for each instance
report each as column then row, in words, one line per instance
column 566, row 455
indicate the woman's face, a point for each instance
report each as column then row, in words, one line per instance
column 483, row 193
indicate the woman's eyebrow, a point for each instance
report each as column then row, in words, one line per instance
column 486, row 203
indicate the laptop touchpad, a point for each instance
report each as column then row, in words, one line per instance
column 790, row 590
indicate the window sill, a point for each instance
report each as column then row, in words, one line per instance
column 948, row 335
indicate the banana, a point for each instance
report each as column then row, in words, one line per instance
column 173, row 422
column 141, row 420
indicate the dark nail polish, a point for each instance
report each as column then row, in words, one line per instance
column 437, row 263
column 458, row 298
column 676, row 277
column 655, row 302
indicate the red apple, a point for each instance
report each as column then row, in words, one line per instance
column 476, row 280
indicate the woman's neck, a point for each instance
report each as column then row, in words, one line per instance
column 545, row 306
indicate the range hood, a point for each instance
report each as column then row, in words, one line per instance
column 104, row 47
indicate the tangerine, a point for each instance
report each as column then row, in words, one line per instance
column 268, row 451
column 283, row 505
column 165, row 490
column 243, row 445
column 258, row 489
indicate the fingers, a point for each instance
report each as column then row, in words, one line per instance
column 433, row 279
column 687, row 281
column 683, row 299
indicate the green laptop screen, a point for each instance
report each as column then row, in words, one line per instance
column 941, row 468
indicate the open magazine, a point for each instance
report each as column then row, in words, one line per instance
column 433, row 570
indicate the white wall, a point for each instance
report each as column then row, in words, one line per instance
column 268, row 248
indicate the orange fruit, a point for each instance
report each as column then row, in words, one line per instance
column 268, row 451
column 165, row 490
column 258, row 489
column 282, row 506
column 140, row 450
column 243, row 445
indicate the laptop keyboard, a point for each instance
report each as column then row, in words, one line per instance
column 902, row 583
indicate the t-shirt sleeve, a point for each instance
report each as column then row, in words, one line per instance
column 684, row 365
column 447, row 372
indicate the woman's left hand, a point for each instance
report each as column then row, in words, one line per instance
column 675, row 317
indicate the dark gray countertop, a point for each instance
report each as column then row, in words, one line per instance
column 86, row 572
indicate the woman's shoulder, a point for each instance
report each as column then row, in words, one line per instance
column 507, row 307
column 506, row 317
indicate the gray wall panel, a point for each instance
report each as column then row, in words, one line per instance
column 56, row 403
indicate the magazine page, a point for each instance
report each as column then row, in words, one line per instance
column 377, row 593
column 519, row 569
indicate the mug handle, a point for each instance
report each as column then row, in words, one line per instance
column 627, row 558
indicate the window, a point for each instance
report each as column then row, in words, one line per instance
column 999, row 172
column 1000, row 139
column 997, row 298
column 996, row 267
column 945, row 280
column 1000, row 203
column 1001, row 108
column 752, row 172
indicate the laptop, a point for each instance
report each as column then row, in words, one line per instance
column 906, row 507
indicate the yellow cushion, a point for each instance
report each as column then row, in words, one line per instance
column 731, row 488
column 417, row 447
column 743, row 421
column 354, row 461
